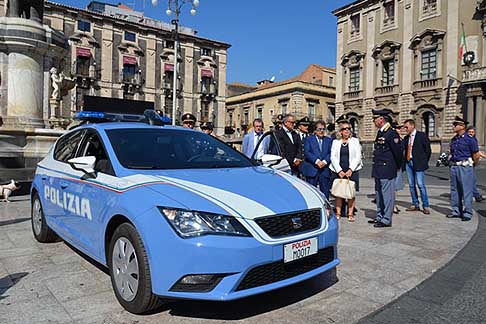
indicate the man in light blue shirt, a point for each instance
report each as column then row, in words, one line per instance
column 251, row 139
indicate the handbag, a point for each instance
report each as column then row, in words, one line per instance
column 343, row 188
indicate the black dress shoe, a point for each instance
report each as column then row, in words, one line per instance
column 372, row 221
column 465, row 219
column 373, row 201
column 453, row 216
column 380, row 224
column 479, row 198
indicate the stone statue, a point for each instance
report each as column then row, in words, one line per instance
column 61, row 84
column 28, row 9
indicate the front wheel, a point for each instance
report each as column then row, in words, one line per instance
column 42, row 232
column 130, row 272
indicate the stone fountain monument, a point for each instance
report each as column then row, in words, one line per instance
column 31, row 88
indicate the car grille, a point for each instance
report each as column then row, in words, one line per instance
column 278, row 271
column 283, row 225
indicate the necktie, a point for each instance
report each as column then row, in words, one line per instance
column 320, row 144
column 409, row 148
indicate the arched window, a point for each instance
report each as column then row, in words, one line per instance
column 428, row 124
column 353, row 122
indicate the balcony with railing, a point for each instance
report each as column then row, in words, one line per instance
column 474, row 75
column 352, row 95
column 426, row 84
column 386, row 90
column 86, row 77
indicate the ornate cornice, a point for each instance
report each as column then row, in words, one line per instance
column 77, row 37
column 386, row 50
column 353, row 57
column 427, row 38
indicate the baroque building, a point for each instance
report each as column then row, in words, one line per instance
column 404, row 55
column 116, row 52
column 310, row 94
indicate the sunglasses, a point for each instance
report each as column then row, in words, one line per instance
column 345, row 128
column 188, row 122
column 320, row 129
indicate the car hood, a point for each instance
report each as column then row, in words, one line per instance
column 242, row 192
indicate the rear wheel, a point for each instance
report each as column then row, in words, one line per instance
column 42, row 232
column 129, row 271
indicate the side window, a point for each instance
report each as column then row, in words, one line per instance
column 92, row 146
column 67, row 145
column 267, row 144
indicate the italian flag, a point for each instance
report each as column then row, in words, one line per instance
column 462, row 47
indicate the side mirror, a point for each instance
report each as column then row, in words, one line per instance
column 269, row 160
column 85, row 164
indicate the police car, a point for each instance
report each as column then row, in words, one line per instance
column 176, row 213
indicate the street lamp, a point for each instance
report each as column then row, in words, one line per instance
column 175, row 6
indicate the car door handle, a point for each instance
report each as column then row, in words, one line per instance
column 44, row 177
column 64, row 184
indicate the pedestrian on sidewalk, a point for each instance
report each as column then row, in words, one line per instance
column 290, row 143
column 417, row 153
column 464, row 155
column 346, row 163
column 387, row 159
column 317, row 157
column 399, row 178
column 251, row 139
column 471, row 131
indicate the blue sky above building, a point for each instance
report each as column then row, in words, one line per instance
column 268, row 37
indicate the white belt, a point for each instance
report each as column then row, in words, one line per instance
column 467, row 163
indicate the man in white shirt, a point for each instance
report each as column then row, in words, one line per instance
column 251, row 139
column 290, row 143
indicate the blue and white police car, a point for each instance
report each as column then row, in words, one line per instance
column 176, row 213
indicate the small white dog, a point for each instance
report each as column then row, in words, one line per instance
column 7, row 189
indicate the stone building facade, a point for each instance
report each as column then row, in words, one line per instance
column 119, row 53
column 403, row 55
column 310, row 94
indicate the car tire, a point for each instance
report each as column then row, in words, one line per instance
column 41, row 231
column 128, row 264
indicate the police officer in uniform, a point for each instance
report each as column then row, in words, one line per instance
column 207, row 127
column 188, row 120
column 387, row 159
column 278, row 122
column 464, row 155
column 303, row 128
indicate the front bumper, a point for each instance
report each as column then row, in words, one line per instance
column 237, row 258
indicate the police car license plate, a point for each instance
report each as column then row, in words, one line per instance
column 298, row 250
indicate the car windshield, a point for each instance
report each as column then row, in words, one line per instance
column 157, row 149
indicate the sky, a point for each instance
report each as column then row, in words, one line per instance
column 268, row 38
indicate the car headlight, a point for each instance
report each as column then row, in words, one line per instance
column 188, row 223
column 328, row 209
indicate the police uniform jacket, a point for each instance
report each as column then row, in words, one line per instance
column 463, row 147
column 387, row 154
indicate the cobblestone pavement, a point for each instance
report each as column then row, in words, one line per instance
column 52, row 283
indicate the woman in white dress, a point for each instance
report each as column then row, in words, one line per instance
column 345, row 162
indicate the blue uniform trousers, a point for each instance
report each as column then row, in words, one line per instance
column 462, row 181
column 476, row 193
column 323, row 180
column 385, row 199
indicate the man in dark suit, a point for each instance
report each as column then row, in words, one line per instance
column 317, row 156
column 417, row 152
column 290, row 143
